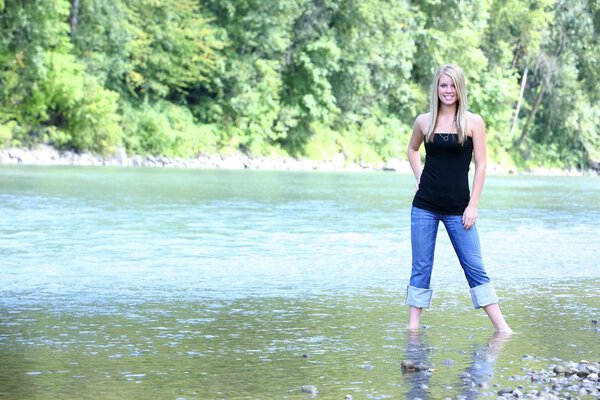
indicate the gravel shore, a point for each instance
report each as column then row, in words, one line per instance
column 565, row 380
column 568, row 380
column 46, row 155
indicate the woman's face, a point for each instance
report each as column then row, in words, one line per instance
column 447, row 90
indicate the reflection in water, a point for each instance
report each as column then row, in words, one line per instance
column 417, row 368
column 481, row 369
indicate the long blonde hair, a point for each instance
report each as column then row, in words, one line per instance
column 458, row 77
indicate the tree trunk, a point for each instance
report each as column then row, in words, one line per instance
column 517, row 54
column 551, row 65
column 536, row 105
column 74, row 16
column 519, row 102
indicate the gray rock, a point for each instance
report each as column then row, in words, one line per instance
column 559, row 370
column 504, row 391
column 310, row 389
column 407, row 366
column 464, row 375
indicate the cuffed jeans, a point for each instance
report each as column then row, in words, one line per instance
column 424, row 228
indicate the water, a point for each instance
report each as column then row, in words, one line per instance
column 191, row 284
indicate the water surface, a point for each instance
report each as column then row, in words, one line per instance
column 121, row 283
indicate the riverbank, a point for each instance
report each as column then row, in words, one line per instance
column 46, row 155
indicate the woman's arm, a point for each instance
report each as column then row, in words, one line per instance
column 414, row 155
column 477, row 128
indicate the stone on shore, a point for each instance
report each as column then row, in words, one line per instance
column 47, row 155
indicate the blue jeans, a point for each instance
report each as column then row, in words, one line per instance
column 424, row 228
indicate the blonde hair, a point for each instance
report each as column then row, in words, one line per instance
column 458, row 77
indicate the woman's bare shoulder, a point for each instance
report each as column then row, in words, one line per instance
column 473, row 118
column 423, row 117
column 422, row 121
column 476, row 124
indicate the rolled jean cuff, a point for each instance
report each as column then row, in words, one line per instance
column 418, row 297
column 483, row 295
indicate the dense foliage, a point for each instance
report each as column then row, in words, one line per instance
column 308, row 78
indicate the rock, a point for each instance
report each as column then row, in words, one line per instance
column 310, row 389
column 137, row 161
column 583, row 373
column 121, row 157
column 559, row 370
column 421, row 367
column 504, row 391
column 407, row 366
column 395, row 164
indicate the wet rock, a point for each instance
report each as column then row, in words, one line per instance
column 310, row 389
column 419, row 367
column 504, row 391
column 407, row 366
column 559, row 370
column 583, row 373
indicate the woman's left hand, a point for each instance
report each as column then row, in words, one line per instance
column 469, row 217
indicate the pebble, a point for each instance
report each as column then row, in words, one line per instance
column 559, row 370
column 407, row 365
column 561, row 381
column 309, row 389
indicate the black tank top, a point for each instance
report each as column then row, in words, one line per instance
column 444, row 184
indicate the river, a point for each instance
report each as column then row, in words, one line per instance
column 208, row 284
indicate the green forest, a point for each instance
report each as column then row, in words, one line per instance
column 300, row 78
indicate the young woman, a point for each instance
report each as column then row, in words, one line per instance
column 452, row 136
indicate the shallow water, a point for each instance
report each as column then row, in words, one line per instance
column 125, row 283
